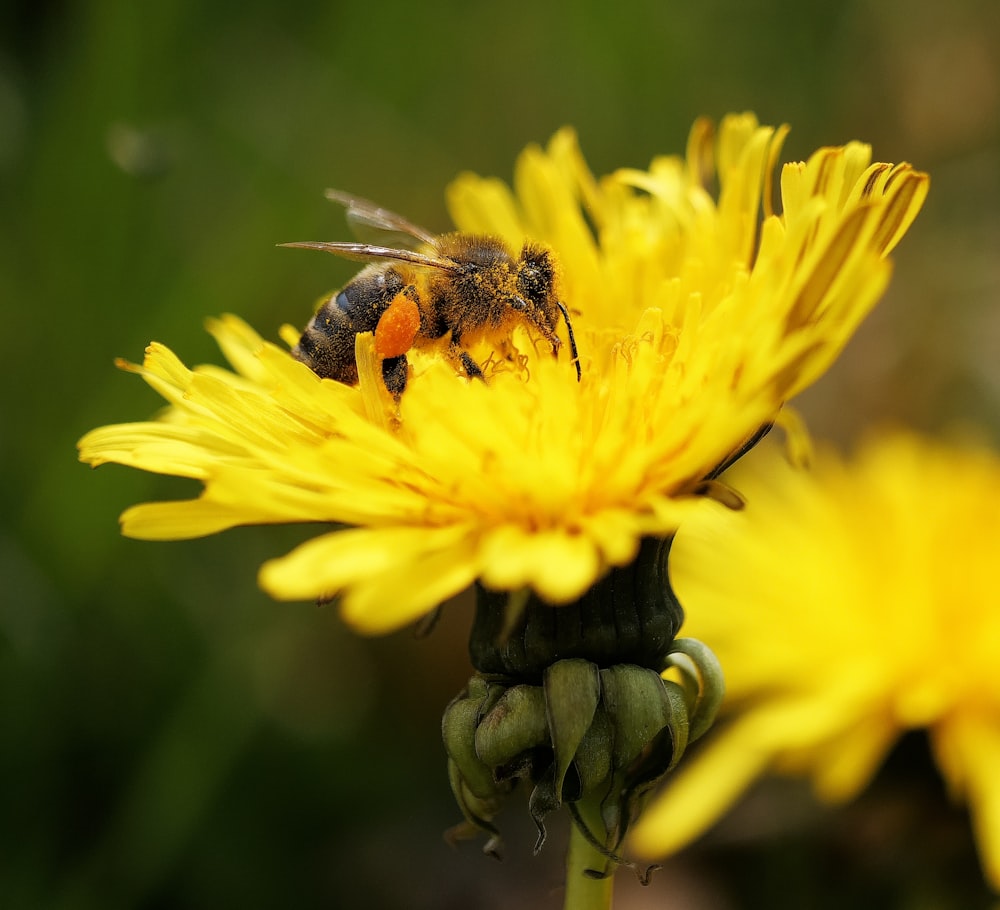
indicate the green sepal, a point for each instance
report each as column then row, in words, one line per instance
column 638, row 706
column 515, row 724
column 458, row 730
column 702, row 679
column 679, row 723
column 543, row 799
column 572, row 691
column 477, row 812
column 593, row 757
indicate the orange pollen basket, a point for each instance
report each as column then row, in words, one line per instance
column 397, row 328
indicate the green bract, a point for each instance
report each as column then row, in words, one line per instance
column 609, row 733
column 573, row 701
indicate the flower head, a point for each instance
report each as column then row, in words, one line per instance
column 847, row 605
column 696, row 319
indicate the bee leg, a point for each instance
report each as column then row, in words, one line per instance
column 572, row 340
column 394, row 374
column 472, row 369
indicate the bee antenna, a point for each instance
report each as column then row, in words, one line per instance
column 572, row 338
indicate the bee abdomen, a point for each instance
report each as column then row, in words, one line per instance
column 327, row 344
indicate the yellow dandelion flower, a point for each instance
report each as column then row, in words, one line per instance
column 847, row 605
column 696, row 318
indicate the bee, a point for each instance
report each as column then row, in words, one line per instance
column 447, row 292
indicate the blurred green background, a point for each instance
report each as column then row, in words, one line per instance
column 172, row 738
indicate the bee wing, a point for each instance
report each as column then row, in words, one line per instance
column 365, row 217
column 365, row 251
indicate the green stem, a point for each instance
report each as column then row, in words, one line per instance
column 583, row 892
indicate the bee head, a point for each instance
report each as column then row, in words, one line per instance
column 536, row 278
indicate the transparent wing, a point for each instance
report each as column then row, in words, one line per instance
column 366, row 251
column 371, row 221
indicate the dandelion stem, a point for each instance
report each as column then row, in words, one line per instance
column 584, row 891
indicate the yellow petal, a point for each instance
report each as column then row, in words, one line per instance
column 701, row 790
column 181, row 520
column 389, row 576
column 974, row 746
column 559, row 565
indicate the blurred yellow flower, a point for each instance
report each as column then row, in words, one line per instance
column 696, row 318
column 846, row 605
